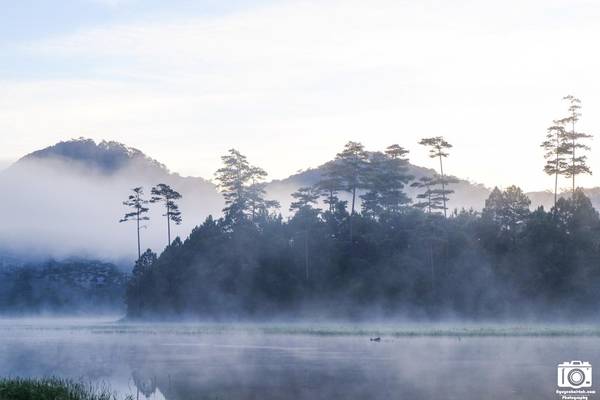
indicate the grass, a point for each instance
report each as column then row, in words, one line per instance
column 52, row 389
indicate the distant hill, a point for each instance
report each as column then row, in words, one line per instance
column 66, row 200
column 467, row 194
column 106, row 157
column 546, row 198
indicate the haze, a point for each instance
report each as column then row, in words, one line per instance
column 289, row 82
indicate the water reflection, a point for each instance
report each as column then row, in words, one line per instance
column 144, row 383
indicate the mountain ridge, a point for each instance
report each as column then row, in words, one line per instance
column 108, row 157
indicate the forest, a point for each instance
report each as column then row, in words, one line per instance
column 377, row 253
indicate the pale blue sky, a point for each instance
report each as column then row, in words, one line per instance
column 289, row 82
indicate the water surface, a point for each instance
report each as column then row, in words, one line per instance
column 298, row 361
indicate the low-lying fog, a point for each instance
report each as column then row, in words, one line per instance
column 55, row 209
column 298, row 361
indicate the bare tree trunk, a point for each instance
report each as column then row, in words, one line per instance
column 352, row 213
column 138, row 234
column 428, row 199
column 573, row 159
column 443, row 185
column 331, row 201
column 556, row 171
column 555, row 188
column 168, row 224
column 353, row 199
column 306, row 260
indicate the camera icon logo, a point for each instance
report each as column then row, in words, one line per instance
column 575, row 374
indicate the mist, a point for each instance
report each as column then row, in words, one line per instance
column 287, row 361
column 54, row 208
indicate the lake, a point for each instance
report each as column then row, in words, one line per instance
column 299, row 361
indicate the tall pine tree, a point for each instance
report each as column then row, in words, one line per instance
column 438, row 147
column 137, row 204
column 163, row 193
column 556, row 152
column 574, row 145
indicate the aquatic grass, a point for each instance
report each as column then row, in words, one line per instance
column 53, row 388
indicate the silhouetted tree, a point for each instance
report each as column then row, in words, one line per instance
column 242, row 187
column 305, row 197
column 438, row 147
column 256, row 190
column 430, row 200
column 556, row 150
column 233, row 178
column 134, row 296
column 350, row 168
column 329, row 186
column 509, row 208
column 163, row 193
column 137, row 203
column 573, row 143
column 352, row 163
column 384, row 179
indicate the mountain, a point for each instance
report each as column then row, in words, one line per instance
column 466, row 194
column 107, row 157
column 546, row 198
column 66, row 200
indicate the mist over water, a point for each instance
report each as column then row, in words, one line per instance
column 294, row 361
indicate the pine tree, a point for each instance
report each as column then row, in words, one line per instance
column 137, row 203
column 432, row 199
column 556, row 148
column 573, row 143
column 428, row 200
column 385, row 177
column 233, row 178
column 438, row 147
column 509, row 208
column 242, row 185
column 351, row 165
column 305, row 198
column 329, row 185
column 256, row 191
column 163, row 193
column 134, row 296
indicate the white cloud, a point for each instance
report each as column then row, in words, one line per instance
column 290, row 83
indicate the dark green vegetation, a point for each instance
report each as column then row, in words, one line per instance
column 63, row 287
column 51, row 389
column 506, row 262
column 391, row 257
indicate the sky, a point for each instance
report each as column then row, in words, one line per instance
column 289, row 82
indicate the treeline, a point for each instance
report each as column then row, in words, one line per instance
column 71, row 286
column 391, row 257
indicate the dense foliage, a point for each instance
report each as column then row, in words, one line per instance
column 391, row 258
column 504, row 262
